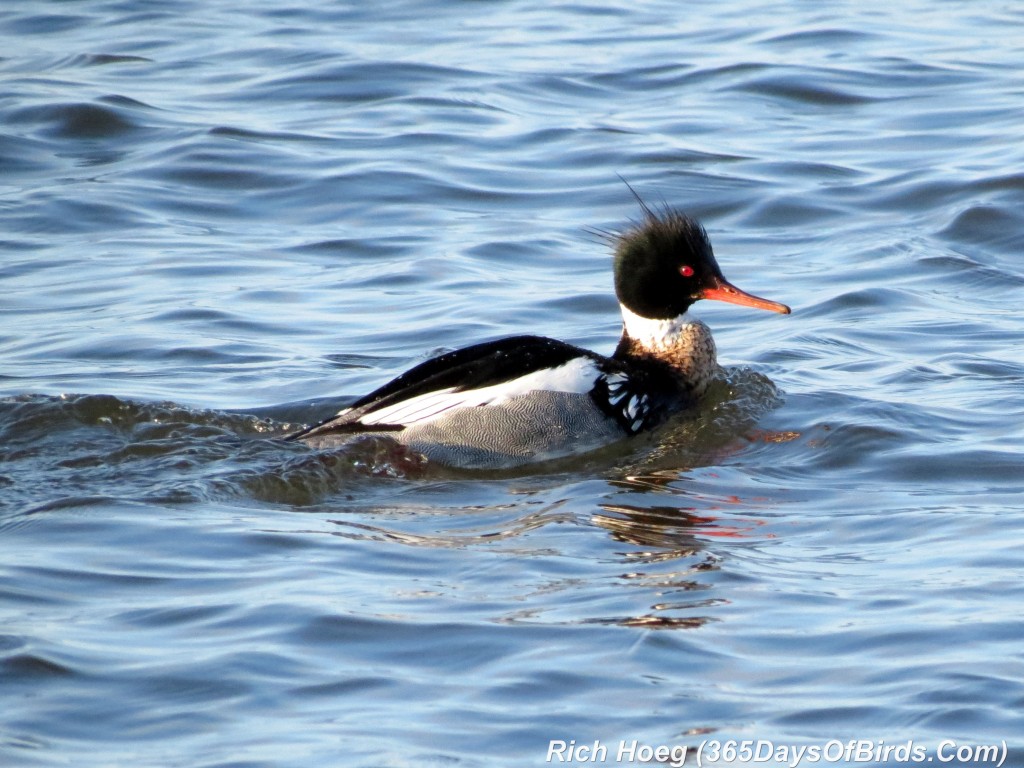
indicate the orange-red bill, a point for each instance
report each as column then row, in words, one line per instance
column 729, row 293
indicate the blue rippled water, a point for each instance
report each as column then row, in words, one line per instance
column 221, row 220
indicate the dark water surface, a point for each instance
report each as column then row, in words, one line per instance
column 221, row 220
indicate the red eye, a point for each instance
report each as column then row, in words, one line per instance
column 686, row 270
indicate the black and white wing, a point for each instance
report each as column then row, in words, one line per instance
column 480, row 375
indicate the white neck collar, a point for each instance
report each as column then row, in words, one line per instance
column 654, row 334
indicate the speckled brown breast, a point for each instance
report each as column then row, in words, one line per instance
column 692, row 356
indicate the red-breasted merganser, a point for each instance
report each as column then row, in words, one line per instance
column 528, row 398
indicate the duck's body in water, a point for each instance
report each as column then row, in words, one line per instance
column 528, row 398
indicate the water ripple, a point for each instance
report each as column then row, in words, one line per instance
column 219, row 224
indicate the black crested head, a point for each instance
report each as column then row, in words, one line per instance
column 663, row 264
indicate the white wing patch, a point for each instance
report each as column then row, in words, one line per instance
column 578, row 375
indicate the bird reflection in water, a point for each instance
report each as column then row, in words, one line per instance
column 666, row 534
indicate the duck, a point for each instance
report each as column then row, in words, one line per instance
column 525, row 399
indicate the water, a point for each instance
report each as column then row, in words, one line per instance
column 219, row 221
